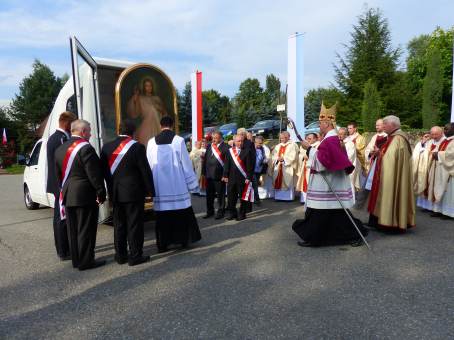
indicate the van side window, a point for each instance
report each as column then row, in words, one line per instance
column 34, row 157
column 71, row 104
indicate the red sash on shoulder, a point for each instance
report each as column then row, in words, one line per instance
column 248, row 191
column 218, row 154
column 377, row 174
column 444, row 145
column 66, row 169
column 280, row 173
column 119, row 153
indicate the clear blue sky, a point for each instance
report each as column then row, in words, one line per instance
column 228, row 40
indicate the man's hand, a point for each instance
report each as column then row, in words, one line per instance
column 100, row 200
column 225, row 179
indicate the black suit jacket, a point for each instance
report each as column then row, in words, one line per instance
column 250, row 147
column 85, row 182
column 231, row 170
column 54, row 141
column 211, row 168
column 133, row 179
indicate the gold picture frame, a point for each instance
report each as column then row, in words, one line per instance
column 131, row 82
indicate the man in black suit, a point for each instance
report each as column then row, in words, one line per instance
column 213, row 169
column 249, row 146
column 235, row 179
column 129, row 181
column 60, row 136
column 82, row 192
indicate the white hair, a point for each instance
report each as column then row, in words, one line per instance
column 393, row 120
column 241, row 131
column 79, row 125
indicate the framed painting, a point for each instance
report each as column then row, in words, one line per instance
column 143, row 95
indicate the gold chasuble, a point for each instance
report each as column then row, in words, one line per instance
column 392, row 199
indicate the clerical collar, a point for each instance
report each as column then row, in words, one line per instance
column 124, row 136
column 64, row 131
column 439, row 141
column 331, row 133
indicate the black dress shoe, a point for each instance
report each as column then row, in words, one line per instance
column 219, row 216
column 304, row 244
column 65, row 257
column 139, row 260
column 241, row 217
column 208, row 215
column 357, row 243
column 436, row 214
column 92, row 265
column 121, row 259
column 230, row 217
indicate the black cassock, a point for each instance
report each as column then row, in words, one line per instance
column 175, row 226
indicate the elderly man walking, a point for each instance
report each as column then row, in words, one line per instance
column 391, row 201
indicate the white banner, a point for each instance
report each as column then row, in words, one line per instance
column 196, row 96
column 295, row 90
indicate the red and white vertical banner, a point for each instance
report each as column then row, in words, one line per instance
column 295, row 88
column 4, row 139
column 196, row 92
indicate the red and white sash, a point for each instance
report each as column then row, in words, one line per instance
column 248, row 191
column 119, row 153
column 66, row 169
column 218, row 154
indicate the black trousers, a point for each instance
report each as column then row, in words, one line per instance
column 60, row 230
column 235, row 190
column 215, row 189
column 83, row 225
column 255, row 185
column 128, row 229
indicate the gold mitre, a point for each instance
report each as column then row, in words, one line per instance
column 328, row 115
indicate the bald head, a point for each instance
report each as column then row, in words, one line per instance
column 436, row 133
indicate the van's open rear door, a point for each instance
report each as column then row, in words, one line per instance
column 85, row 76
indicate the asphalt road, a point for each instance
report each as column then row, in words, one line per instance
column 245, row 280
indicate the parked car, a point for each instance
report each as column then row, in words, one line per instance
column 268, row 128
column 314, row 127
column 228, row 129
column 186, row 135
column 208, row 131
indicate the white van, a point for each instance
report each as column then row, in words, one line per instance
column 96, row 82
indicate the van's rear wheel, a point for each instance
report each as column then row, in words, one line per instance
column 29, row 204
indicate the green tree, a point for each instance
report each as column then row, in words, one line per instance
column 372, row 106
column 432, row 91
column 272, row 96
column 216, row 108
column 420, row 52
column 37, row 94
column 185, row 108
column 369, row 55
column 248, row 102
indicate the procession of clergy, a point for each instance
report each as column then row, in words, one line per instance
column 330, row 171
